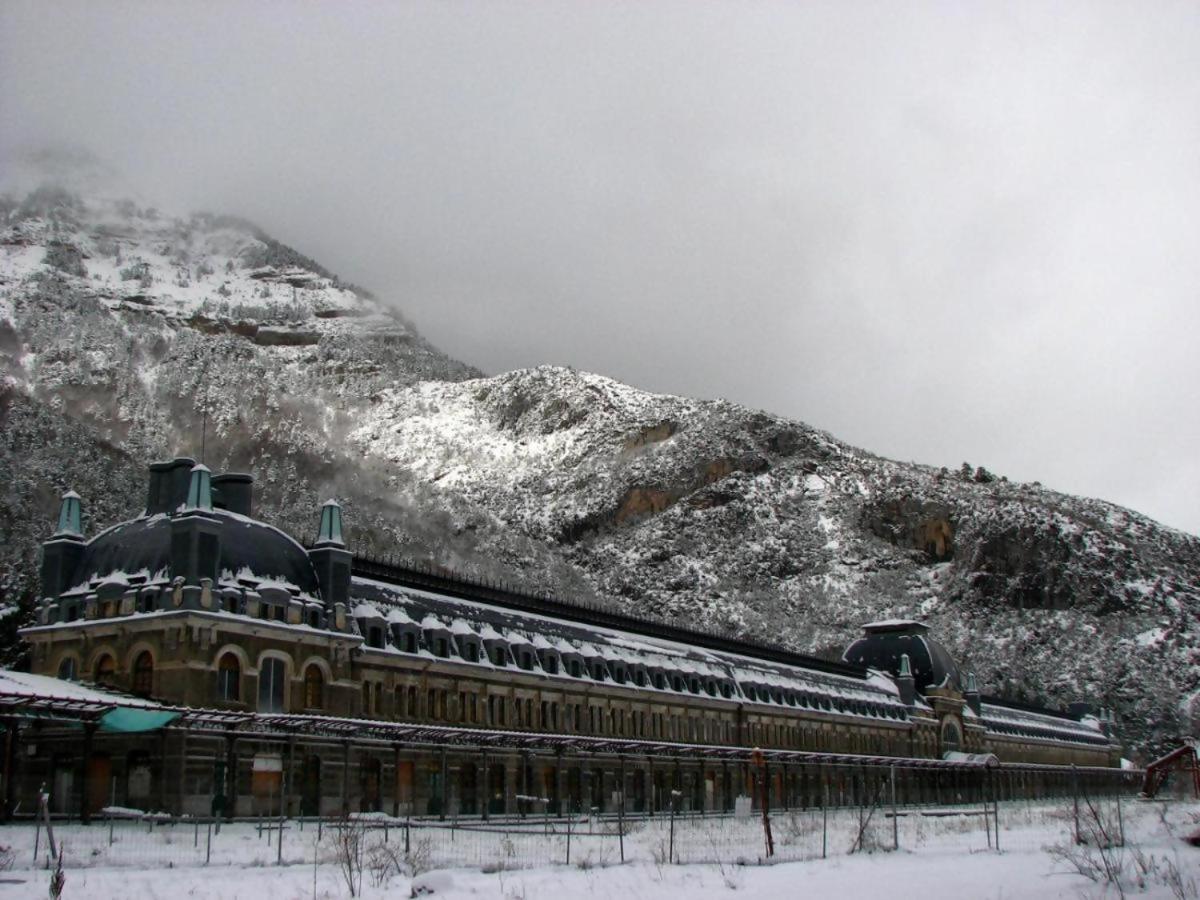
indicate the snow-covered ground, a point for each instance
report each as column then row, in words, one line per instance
column 940, row 857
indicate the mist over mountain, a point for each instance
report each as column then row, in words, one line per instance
column 128, row 334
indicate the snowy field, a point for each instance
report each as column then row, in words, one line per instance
column 949, row 856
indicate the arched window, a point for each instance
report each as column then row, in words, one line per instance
column 106, row 669
column 229, row 678
column 66, row 668
column 314, row 688
column 951, row 737
column 143, row 674
column 271, row 682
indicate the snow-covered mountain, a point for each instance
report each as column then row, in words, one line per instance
column 128, row 335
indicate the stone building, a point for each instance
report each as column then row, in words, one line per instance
column 308, row 680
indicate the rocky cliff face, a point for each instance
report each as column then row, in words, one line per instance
column 126, row 335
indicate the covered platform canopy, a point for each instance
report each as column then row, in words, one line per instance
column 26, row 696
column 38, row 697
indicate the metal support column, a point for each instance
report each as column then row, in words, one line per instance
column 85, row 812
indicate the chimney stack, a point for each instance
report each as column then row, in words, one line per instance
column 234, row 492
column 169, row 482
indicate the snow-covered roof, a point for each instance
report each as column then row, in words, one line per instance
column 869, row 695
column 25, row 684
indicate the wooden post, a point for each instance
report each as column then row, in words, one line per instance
column 560, row 786
column 183, row 741
column 761, row 764
column 11, row 735
column 230, row 775
column 289, row 778
column 895, row 819
column 346, row 778
column 487, row 787
column 85, row 812
column 621, row 811
column 396, row 781
column 445, row 786
column 162, row 770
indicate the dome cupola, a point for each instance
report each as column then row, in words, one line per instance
column 885, row 646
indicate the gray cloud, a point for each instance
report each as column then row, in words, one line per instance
column 941, row 231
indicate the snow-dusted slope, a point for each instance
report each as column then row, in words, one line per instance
column 126, row 335
column 739, row 521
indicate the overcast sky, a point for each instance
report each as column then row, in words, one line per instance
column 943, row 232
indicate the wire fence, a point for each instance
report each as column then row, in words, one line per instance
column 744, row 837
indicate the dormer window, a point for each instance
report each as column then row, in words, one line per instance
column 575, row 669
column 408, row 642
column 499, row 656
column 441, row 647
column 375, row 637
column 677, row 683
column 751, row 694
column 526, row 660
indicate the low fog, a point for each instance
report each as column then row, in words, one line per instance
column 943, row 232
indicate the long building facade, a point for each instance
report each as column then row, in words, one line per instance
column 306, row 680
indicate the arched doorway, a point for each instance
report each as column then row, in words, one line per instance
column 434, row 806
column 496, row 789
column 143, row 674
column 574, row 791
column 550, row 788
column 310, row 786
column 597, row 798
column 467, row 788
column 637, row 792
column 372, row 781
column 106, row 671
column 139, row 779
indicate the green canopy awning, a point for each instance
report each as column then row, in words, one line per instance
column 126, row 719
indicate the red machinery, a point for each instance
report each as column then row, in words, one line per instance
column 1184, row 759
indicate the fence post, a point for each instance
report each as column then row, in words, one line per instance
column 279, row 852
column 1120, row 821
column 569, row 817
column 208, row 845
column 825, row 820
column 1075, row 795
column 112, row 802
column 764, row 799
column 407, row 838
column 895, row 818
column 671, row 848
column 621, row 813
column 983, row 798
column 995, row 809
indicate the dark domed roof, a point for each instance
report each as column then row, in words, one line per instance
column 248, row 547
column 885, row 642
